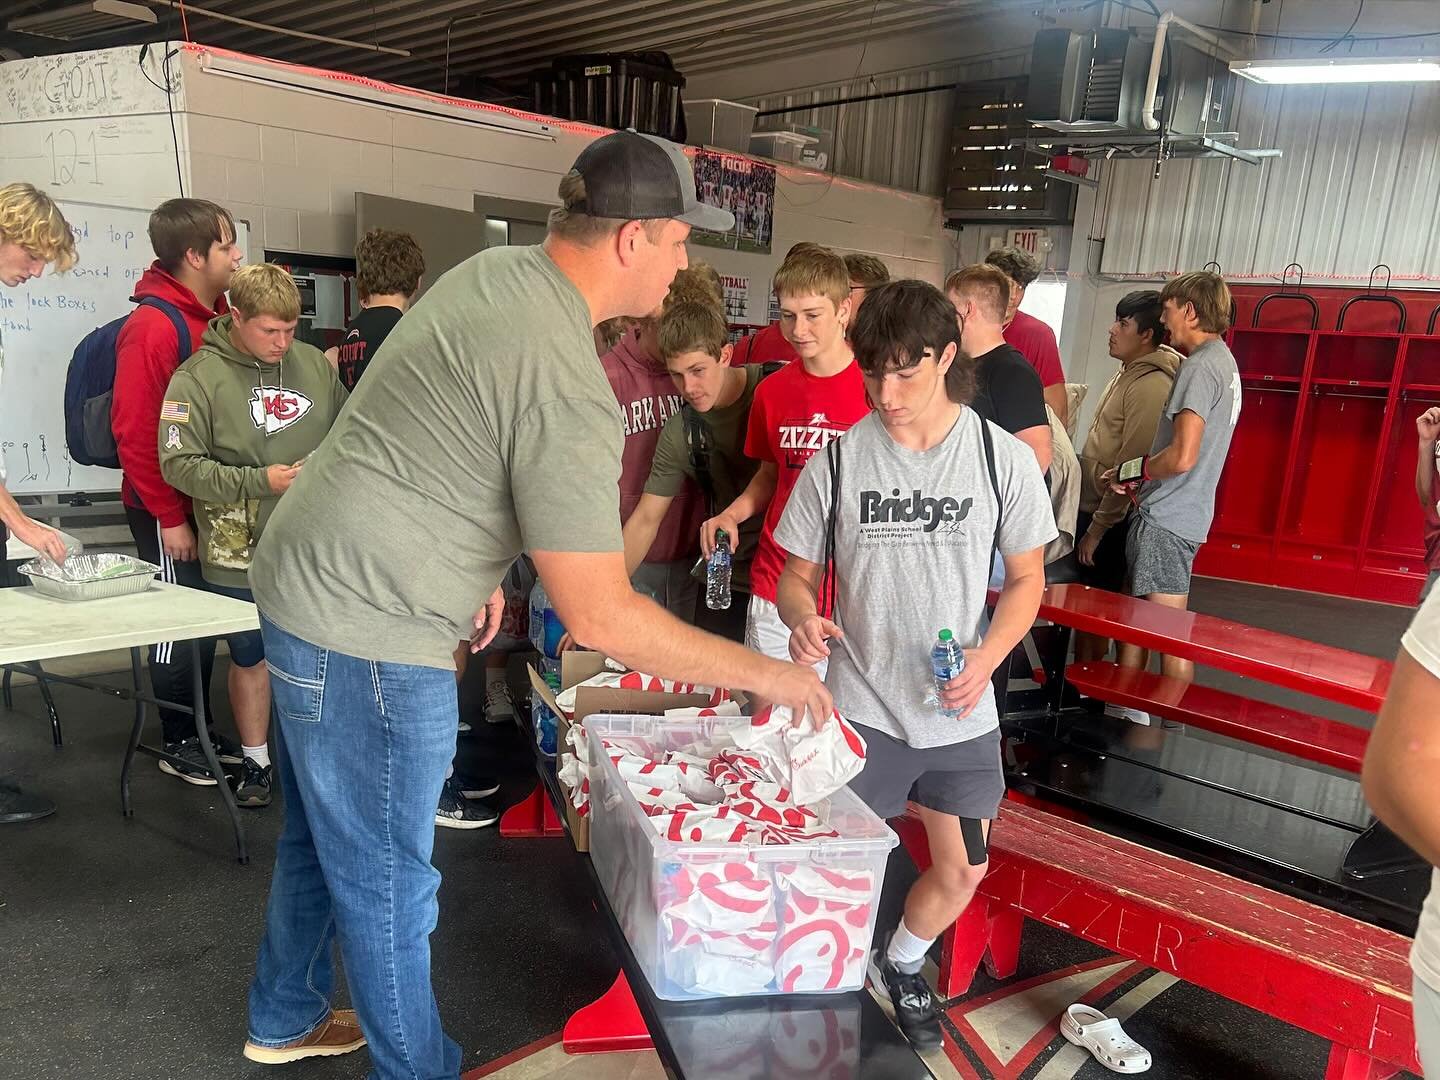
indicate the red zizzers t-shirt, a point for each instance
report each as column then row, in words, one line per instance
column 796, row 415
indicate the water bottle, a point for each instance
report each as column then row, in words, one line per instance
column 545, row 628
column 717, row 574
column 543, row 720
column 947, row 661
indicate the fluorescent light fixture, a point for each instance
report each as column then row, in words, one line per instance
column 1315, row 70
column 83, row 20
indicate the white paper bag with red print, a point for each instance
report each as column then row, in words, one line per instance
column 824, row 927
column 813, row 764
column 719, row 927
column 707, row 825
column 575, row 775
column 634, row 680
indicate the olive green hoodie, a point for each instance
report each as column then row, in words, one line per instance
column 1123, row 428
column 228, row 416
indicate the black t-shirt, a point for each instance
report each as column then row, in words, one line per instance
column 362, row 339
column 1008, row 391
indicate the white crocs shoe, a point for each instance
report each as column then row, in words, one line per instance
column 1090, row 1029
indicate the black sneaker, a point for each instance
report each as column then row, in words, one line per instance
column 915, row 1010
column 191, row 767
column 475, row 786
column 227, row 750
column 499, row 703
column 457, row 812
column 253, row 788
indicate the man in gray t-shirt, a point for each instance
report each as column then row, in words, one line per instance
column 483, row 428
column 927, row 491
column 1176, row 481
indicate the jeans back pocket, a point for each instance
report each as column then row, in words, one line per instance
column 297, row 674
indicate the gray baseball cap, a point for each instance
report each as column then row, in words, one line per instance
column 638, row 177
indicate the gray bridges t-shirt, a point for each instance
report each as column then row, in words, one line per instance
column 913, row 541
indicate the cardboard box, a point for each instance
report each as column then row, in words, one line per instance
column 575, row 668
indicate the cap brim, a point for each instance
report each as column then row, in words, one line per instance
column 708, row 217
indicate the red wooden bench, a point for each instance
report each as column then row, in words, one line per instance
column 1322, row 671
column 1311, row 738
column 1344, row 980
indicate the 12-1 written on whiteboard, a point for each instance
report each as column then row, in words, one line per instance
column 71, row 159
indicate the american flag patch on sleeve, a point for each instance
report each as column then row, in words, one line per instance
column 178, row 411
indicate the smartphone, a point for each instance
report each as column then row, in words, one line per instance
column 1131, row 472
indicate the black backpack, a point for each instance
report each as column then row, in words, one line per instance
column 90, row 387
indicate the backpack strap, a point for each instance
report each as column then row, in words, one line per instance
column 989, row 445
column 697, row 441
column 829, row 587
column 177, row 320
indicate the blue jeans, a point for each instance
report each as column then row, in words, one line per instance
column 361, row 750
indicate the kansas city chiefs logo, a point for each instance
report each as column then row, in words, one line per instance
column 275, row 408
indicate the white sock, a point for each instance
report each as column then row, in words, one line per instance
column 906, row 951
column 258, row 754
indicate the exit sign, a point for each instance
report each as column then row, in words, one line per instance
column 1035, row 241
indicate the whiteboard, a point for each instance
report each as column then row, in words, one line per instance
column 42, row 321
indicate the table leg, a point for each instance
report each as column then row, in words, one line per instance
column 5, row 689
column 202, row 729
column 137, row 729
column 46, row 697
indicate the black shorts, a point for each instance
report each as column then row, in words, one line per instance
column 964, row 778
column 1110, row 566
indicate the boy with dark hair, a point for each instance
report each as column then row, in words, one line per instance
column 196, row 254
column 1176, row 480
column 704, row 443
column 1123, row 428
column 795, row 414
column 1033, row 338
column 388, row 267
column 912, row 504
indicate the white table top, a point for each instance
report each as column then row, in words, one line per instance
column 35, row 627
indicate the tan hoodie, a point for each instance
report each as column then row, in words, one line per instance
column 1124, row 428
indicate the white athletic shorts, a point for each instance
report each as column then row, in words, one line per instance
column 765, row 633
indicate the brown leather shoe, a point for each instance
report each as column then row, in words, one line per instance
column 339, row 1034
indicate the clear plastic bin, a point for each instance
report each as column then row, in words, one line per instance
column 810, row 907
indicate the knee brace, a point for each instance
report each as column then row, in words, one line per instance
column 973, row 832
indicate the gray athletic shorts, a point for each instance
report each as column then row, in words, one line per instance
column 961, row 778
column 1160, row 561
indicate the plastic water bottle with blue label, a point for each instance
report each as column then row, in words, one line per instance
column 947, row 661
column 545, row 628
column 543, row 720
column 717, row 574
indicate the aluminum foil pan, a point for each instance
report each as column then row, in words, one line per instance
column 96, row 576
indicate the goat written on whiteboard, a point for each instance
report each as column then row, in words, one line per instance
column 42, row 321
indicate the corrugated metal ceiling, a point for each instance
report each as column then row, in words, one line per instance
column 494, row 46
